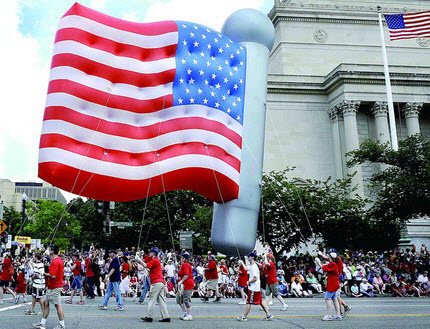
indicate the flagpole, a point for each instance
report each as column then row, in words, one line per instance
column 391, row 116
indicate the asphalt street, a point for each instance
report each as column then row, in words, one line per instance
column 383, row 312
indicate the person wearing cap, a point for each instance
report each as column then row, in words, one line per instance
column 269, row 269
column 366, row 288
column 75, row 267
column 185, row 287
column 211, row 275
column 156, row 292
column 254, row 290
column 114, row 276
column 333, row 285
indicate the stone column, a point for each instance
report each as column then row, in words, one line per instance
column 380, row 112
column 411, row 111
column 335, row 117
column 349, row 110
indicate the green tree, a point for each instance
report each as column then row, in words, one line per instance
column 13, row 220
column 402, row 190
column 47, row 216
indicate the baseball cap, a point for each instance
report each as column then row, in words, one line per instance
column 155, row 250
column 185, row 255
column 252, row 254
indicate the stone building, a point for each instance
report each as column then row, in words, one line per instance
column 326, row 88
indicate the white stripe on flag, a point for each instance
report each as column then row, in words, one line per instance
column 136, row 172
column 104, row 31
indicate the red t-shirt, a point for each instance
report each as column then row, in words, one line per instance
column 340, row 266
column 124, row 268
column 270, row 273
column 56, row 268
column 212, row 272
column 333, row 282
column 155, row 272
column 6, row 267
column 21, row 286
column 224, row 270
column 77, row 270
column 89, row 268
column 186, row 269
column 243, row 277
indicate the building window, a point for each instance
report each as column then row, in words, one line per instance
column 39, row 193
column 44, row 193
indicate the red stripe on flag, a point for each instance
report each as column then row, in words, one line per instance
column 136, row 159
column 410, row 36
column 105, row 99
column 410, row 30
column 418, row 19
column 113, row 47
column 145, row 132
column 115, row 189
column 113, row 74
column 155, row 28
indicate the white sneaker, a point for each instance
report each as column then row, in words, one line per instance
column 188, row 318
column 270, row 303
column 1, row 302
column 284, row 308
column 242, row 319
column 337, row 318
column 327, row 318
column 60, row 327
column 242, row 303
column 38, row 326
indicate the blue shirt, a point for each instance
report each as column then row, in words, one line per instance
column 116, row 276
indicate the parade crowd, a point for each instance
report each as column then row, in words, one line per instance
column 253, row 280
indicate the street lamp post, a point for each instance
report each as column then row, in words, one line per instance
column 24, row 199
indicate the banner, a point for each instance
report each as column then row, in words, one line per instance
column 23, row 239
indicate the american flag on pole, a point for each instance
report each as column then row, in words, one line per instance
column 408, row 26
column 131, row 103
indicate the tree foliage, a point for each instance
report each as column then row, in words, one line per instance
column 402, row 190
column 12, row 219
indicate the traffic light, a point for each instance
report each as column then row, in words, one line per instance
column 3, row 237
column 102, row 208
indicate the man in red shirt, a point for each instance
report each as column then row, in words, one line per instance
column 89, row 274
column 186, row 287
column 76, row 284
column 156, row 292
column 333, row 285
column 269, row 269
column 6, row 277
column 211, row 275
column 54, row 285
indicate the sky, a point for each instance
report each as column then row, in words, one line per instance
column 27, row 31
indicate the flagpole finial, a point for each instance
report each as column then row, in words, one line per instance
column 379, row 8
column 250, row 25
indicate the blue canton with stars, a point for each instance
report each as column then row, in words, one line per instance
column 395, row 22
column 210, row 70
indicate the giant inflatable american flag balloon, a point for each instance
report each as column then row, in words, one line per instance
column 134, row 109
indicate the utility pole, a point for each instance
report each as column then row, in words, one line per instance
column 24, row 200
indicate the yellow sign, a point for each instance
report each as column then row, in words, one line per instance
column 23, row 239
column 3, row 226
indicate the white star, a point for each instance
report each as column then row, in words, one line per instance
column 199, row 91
column 231, row 56
column 212, row 94
column 189, row 54
column 231, row 73
column 238, row 117
column 224, row 97
column 235, row 68
column 230, row 41
column 181, row 80
column 241, row 63
column 203, row 36
column 216, row 40
column 192, row 101
column 184, row 42
column 184, row 26
column 191, row 81
column 201, row 72
column 209, row 31
column 191, row 34
column 202, row 54
column 206, row 82
column 235, row 86
column 213, row 58
column 239, row 100
column 187, row 90
column 205, row 101
column 208, row 63
column 216, row 104
column 196, row 44
column 225, row 80
column 180, row 100
column 183, row 61
column 213, row 76
column 226, row 62
column 241, row 48
column 189, row 71
column 238, row 52
column 195, row 27
column 234, row 104
column 241, row 81
column 228, row 110
column 218, row 86
column 219, row 35
column 220, row 50
column 195, row 61
column 228, row 91
column 209, row 46
column 219, row 67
